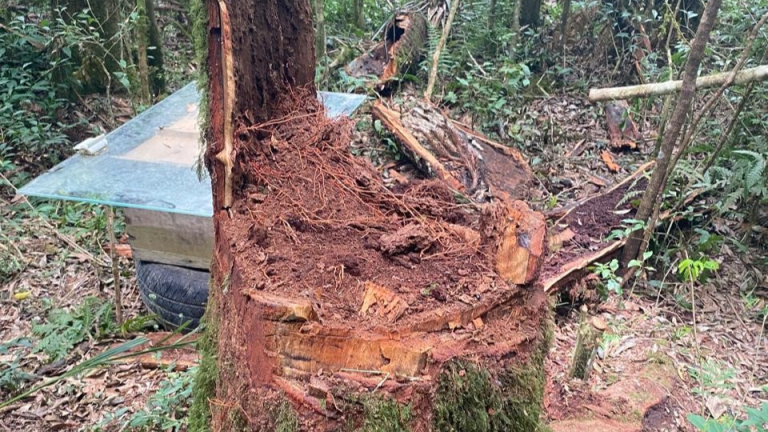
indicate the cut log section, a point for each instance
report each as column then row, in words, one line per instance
column 402, row 47
column 586, row 226
column 467, row 161
column 521, row 245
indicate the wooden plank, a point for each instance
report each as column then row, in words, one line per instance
column 170, row 238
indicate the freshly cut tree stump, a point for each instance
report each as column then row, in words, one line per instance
column 338, row 303
column 402, row 47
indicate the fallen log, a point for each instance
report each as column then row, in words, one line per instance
column 614, row 93
column 589, row 223
column 404, row 40
column 466, row 160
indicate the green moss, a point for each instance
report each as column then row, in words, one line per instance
column 385, row 415
column 237, row 422
column 284, row 417
column 470, row 399
column 208, row 372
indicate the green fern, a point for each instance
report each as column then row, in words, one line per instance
column 63, row 329
column 753, row 174
column 629, row 196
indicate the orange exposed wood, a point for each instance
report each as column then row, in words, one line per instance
column 522, row 247
column 276, row 308
column 609, row 162
column 389, row 304
column 313, row 348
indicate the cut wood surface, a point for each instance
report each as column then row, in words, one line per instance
column 521, row 250
column 745, row 76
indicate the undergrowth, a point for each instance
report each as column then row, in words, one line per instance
column 63, row 329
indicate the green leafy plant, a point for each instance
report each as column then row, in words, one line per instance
column 696, row 270
column 607, row 273
column 166, row 409
column 30, row 92
column 628, row 227
column 712, row 376
column 756, row 421
column 12, row 376
column 63, row 329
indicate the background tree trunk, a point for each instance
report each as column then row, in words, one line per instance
column 359, row 10
column 155, row 50
column 530, row 13
column 319, row 9
column 142, row 45
column 672, row 132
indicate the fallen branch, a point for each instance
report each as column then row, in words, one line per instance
column 439, row 49
column 746, row 76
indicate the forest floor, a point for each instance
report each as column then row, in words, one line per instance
column 668, row 351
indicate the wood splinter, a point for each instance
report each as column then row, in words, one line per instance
column 225, row 156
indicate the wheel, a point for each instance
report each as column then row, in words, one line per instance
column 177, row 295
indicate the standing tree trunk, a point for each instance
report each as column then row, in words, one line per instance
column 530, row 13
column 335, row 302
column 492, row 15
column 156, row 62
column 142, row 45
column 359, row 10
column 657, row 184
column 319, row 6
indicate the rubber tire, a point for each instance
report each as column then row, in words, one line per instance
column 177, row 295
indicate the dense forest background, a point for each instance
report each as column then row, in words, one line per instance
column 519, row 71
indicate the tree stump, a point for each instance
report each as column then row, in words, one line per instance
column 588, row 339
column 336, row 302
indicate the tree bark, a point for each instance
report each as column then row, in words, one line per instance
column 319, row 7
column 359, row 10
column 530, row 13
column 155, row 50
column 672, row 132
column 142, row 46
